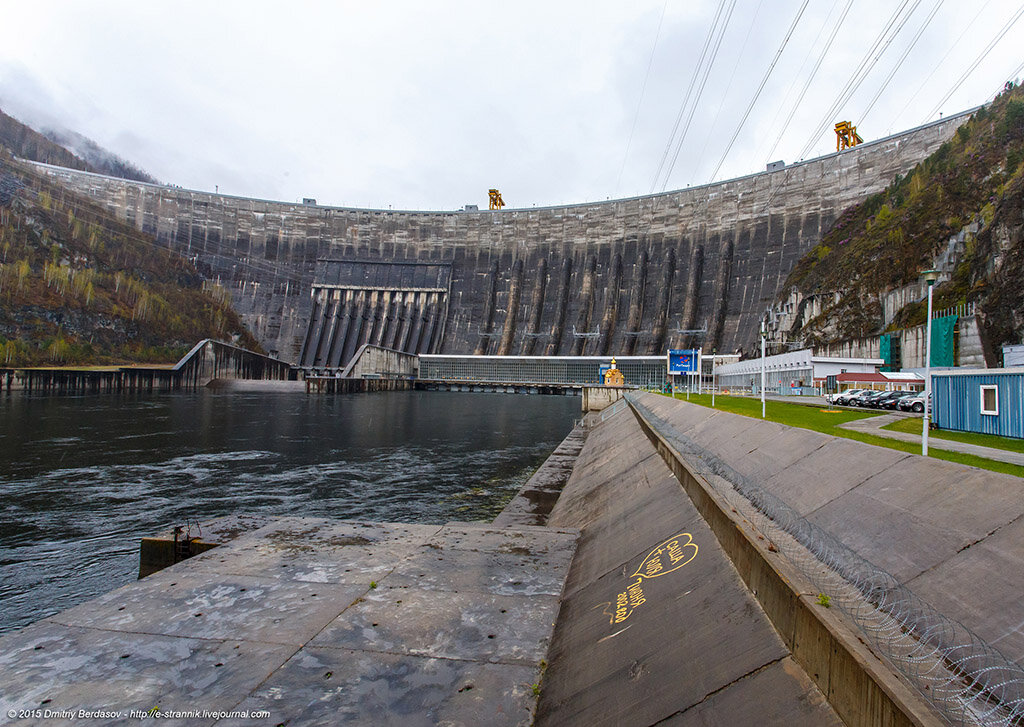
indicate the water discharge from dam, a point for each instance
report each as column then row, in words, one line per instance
column 84, row 478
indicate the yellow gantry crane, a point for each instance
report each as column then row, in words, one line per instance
column 495, row 202
column 846, row 135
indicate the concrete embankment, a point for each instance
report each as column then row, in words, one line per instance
column 654, row 595
column 656, row 623
column 951, row 533
column 306, row 621
column 533, row 503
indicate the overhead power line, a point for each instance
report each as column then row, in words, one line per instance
column 899, row 63
column 703, row 69
column 938, row 65
column 728, row 87
column 810, row 78
column 1016, row 74
column 643, row 89
column 760, row 88
column 977, row 61
column 867, row 63
column 700, row 92
column 689, row 91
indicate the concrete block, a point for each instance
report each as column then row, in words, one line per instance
column 196, row 605
column 326, row 686
column 982, row 586
column 45, row 666
column 469, row 625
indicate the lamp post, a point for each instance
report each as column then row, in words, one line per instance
column 763, row 333
column 713, row 387
column 930, row 276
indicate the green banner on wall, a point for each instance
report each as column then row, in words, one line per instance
column 885, row 351
column 942, row 341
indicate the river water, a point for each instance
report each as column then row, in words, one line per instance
column 84, row 478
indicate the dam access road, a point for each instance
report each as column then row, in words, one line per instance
column 651, row 595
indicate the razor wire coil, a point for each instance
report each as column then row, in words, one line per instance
column 966, row 680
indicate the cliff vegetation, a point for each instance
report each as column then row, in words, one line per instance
column 961, row 207
column 78, row 286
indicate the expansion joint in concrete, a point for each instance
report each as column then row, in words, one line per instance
column 709, row 695
column 854, row 487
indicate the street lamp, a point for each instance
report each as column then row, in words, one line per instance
column 930, row 276
column 713, row 378
column 763, row 334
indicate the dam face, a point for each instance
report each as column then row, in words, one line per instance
column 622, row 277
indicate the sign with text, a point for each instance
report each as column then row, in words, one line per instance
column 684, row 361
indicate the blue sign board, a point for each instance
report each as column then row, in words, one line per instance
column 684, row 361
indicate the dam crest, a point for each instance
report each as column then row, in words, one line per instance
column 628, row 276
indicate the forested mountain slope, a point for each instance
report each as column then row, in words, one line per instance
column 77, row 286
column 959, row 210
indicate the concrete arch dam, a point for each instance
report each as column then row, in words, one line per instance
column 621, row 277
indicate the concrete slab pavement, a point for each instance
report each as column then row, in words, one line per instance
column 310, row 621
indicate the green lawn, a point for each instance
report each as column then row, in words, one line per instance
column 913, row 426
column 820, row 420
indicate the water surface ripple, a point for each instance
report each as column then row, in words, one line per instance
column 83, row 478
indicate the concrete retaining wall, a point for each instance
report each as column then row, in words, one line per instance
column 387, row 363
column 953, row 534
column 684, row 642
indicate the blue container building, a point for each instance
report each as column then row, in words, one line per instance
column 987, row 401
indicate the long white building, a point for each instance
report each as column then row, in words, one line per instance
column 793, row 372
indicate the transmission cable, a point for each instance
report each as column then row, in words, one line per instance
column 1016, row 74
column 700, row 91
column 810, row 78
column 888, row 34
column 725, row 95
column 867, row 63
column 757, row 94
column 977, row 61
column 899, row 63
column 689, row 92
column 938, row 65
column 860, row 73
column 639, row 103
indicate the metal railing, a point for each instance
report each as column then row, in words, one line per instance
column 963, row 310
column 613, row 409
column 968, row 681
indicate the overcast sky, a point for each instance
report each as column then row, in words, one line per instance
column 427, row 105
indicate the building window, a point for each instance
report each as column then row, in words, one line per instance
column 990, row 400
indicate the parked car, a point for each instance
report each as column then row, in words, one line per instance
column 865, row 398
column 913, row 403
column 893, row 400
column 843, row 397
column 880, row 402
